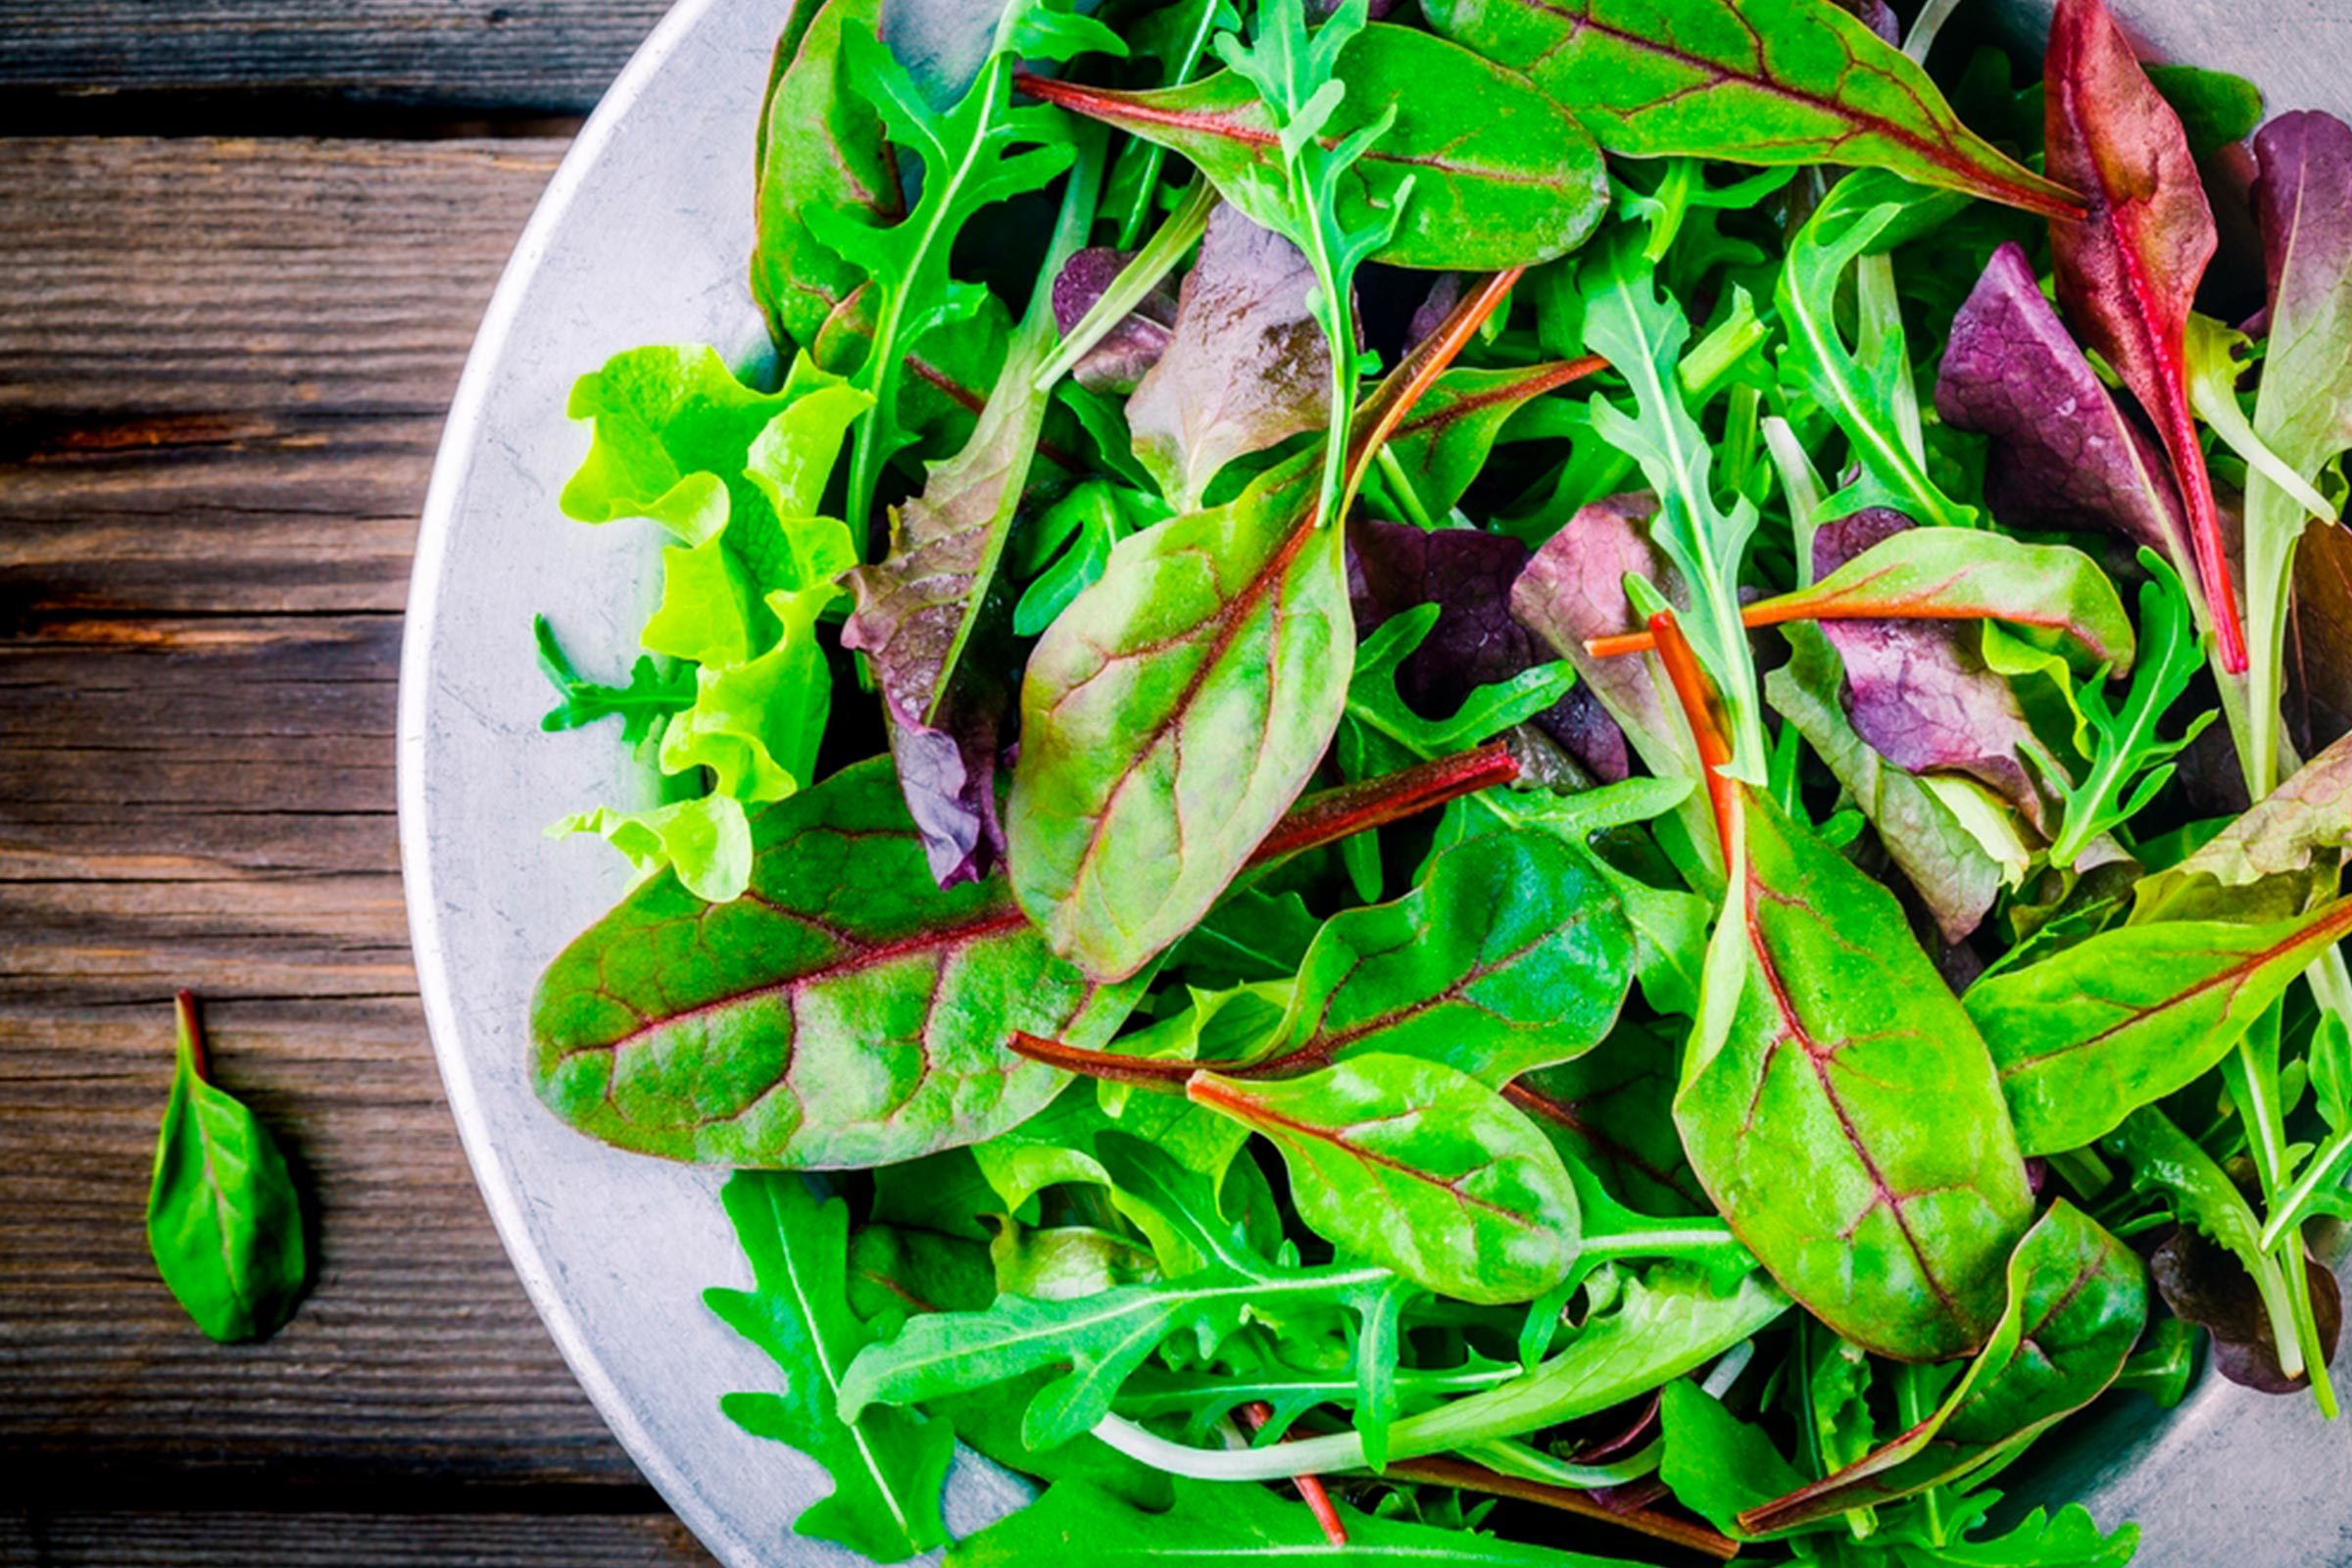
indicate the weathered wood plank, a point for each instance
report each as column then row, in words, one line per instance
column 223, row 369
column 344, row 1540
column 95, row 64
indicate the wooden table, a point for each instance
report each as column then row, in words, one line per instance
column 243, row 247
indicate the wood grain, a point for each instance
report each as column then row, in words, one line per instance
column 120, row 65
column 222, row 370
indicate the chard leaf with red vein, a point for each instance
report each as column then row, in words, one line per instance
column 2078, row 1299
column 886, row 1468
column 1245, row 368
column 2127, row 270
column 1447, row 437
column 920, row 608
column 2304, row 409
column 1755, row 81
column 1501, row 175
column 1419, row 1167
column 2064, row 452
column 846, row 1011
column 2128, row 1017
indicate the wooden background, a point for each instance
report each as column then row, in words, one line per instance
column 244, row 245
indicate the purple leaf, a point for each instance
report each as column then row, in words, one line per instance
column 1445, row 293
column 2206, row 1285
column 2064, row 452
column 1246, row 368
column 1917, row 691
column 1468, row 573
column 1132, row 347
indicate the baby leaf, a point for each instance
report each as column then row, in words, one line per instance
column 2128, row 268
column 2078, row 1299
column 222, row 1220
column 1446, row 440
column 2008, row 363
column 920, row 608
column 643, row 707
column 846, row 1012
column 1757, row 81
column 1419, row 1167
column 2276, row 860
column 1245, row 369
column 1611, row 1112
column 1074, row 1522
column 1511, row 955
column 886, row 1468
column 1501, row 175
column 2124, row 1017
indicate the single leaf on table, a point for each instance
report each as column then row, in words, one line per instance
column 1502, row 177
column 2275, row 860
column 1103, row 1338
column 1756, row 81
column 1822, row 1031
column 2078, row 1299
column 1929, row 844
column 921, row 609
column 1511, row 955
column 2127, row 270
column 2123, row 1018
column 2064, row 451
column 1447, row 438
column 1419, row 1167
column 832, row 155
column 1077, row 1523
column 848, row 1012
column 1469, row 574
column 887, row 1468
column 1246, row 366
column 222, row 1220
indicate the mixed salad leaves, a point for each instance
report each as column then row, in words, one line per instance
column 1487, row 757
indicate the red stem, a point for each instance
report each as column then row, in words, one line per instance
column 1110, row 1064
column 1255, row 1415
column 1786, row 608
column 2205, row 532
column 1336, row 813
column 1461, row 1473
column 1697, row 697
column 183, row 1005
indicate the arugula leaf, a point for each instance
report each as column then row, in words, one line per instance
column 1717, row 1465
column 644, row 705
column 887, row 1469
column 223, row 1222
column 2069, row 1538
column 2126, row 747
column 2077, row 1298
column 1419, row 1167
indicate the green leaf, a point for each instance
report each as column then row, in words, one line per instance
column 1105, row 1337
column 2069, row 1540
column 1419, row 1167
column 2279, row 860
column 704, row 843
column 1511, row 955
column 2216, row 108
column 1756, row 81
column 887, row 1469
column 756, row 725
column 846, row 1013
column 1169, row 718
column 1077, row 1523
column 222, row 1219
column 1827, row 1048
column 1499, row 175
column 1447, row 437
column 674, row 428
column 2078, row 1299
column 643, row 707
column 1611, row 1112
column 1718, row 1465
column 2126, row 1017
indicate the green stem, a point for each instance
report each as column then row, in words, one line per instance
column 1155, row 157
column 1400, row 490
column 1911, row 1408
column 1155, row 260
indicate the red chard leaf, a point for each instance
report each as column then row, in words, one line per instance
column 2206, row 1285
column 1468, row 573
column 2127, row 270
column 1129, row 349
column 2064, row 452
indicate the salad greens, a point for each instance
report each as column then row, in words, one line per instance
column 1376, row 797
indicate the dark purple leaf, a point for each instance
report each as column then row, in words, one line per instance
column 1917, row 690
column 1445, row 293
column 2206, row 1285
column 2319, row 701
column 1319, row 10
column 1879, row 18
column 2064, row 452
column 1468, row 573
column 1246, row 368
column 1132, row 347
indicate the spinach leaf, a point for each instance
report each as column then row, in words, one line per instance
column 1718, row 1465
column 1758, row 81
column 1499, row 175
column 887, row 1468
column 222, row 1219
column 2078, row 1299
column 1077, row 1523
column 1611, row 1112
column 2123, row 1018
column 848, row 1011
column 2128, row 268
column 1418, row 1167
